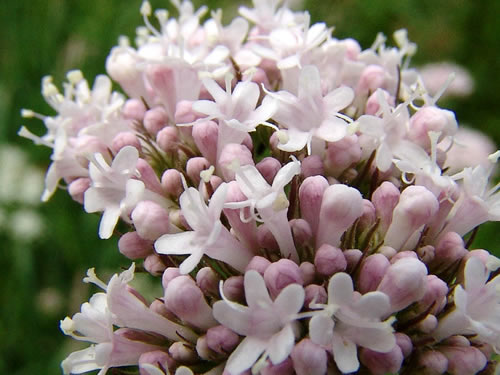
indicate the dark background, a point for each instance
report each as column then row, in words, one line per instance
column 41, row 279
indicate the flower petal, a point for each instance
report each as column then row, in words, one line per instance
column 345, row 354
column 281, row 344
column 321, row 329
column 176, row 244
column 256, row 292
column 245, row 355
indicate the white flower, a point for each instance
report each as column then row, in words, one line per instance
column 349, row 320
column 113, row 190
column 268, row 325
column 477, row 306
column 311, row 114
column 208, row 236
column 270, row 202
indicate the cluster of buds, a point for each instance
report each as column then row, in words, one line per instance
column 292, row 193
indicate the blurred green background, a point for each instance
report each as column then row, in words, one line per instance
column 41, row 275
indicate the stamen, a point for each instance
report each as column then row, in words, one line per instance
column 92, row 278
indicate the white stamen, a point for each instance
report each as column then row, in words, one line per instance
column 92, row 278
column 207, row 174
column 74, row 76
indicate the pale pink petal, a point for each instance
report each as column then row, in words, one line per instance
column 176, row 244
column 475, row 275
column 291, row 299
column 345, row 354
column 286, row 174
column 297, row 140
column 126, row 159
column 373, row 305
column 236, row 318
column 219, row 95
column 338, row 99
column 340, row 289
column 191, row 261
column 321, row 329
column 245, row 97
column 207, row 107
column 245, row 355
column 256, row 292
column 108, row 221
column 281, row 345
column 310, row 83
column 332, row 130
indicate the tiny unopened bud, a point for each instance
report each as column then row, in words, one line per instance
column 310, row 196
column 182, row 353
column 155, row 119
column 301, row 231
column 431, row 118
column 373, row 105
column 184, row 112
column 78, row 187
column 268, row 167
column 433, row 362
column 149, row 177
column 168, row 138
column 157, row 358
column 329, row 260
column 385, row 198
column 283, row 368
column 308, row 272
column 266, row 239
column 233, row 153
column 171, row 182
column 154, row 265
column 280, row 274
column 195, row 166
column 208, row 281
column 436, row 293
column 372, row 78
column 428, row 324
column 134, row 109
column 464, row 360
column 123, row 139
column 205, row 135
column 258, row 264
column 233, row 289
column 352, row 257
column 342, row 154
column 309, row 358
column 314, row 294
column 134, row 246
column 382, row 363
column 404, row 343
column 150, row 220
column 311, row 166
column 221, row 339
column 169, row 274
column 372, row 271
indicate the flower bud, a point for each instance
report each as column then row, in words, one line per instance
column 268, row 167
column 431, row 118
column 155, row 119
column 416, row 207
column 382, row 363
column 433, row 363
column 78, row 187
column 258, row 264
column 404, row 282
column 86, row 145
column 404, row 343
column 372, row 77
column 205, row 135
column 266, row 239
column 369, row 215
column 208, row 281
column 168, row 138
column 301, row 231
column 169, row 274
column 329, row 260
column 194, row 167
column 373, row 105
column 154, row 265
column 204, row 352
column 157, row 358
column 233, row 153
column 172, row 183
column 123, row 139
column 222, row 340
column 403, row 254
column 426, row 253
column 428, row 324
column 449, row 250
column 149, row 177
column 342, row 154
column 436, row 292
column 308, row 272
column 314, row 294
column 283, row 368
column 280, row 274
column 158, row 306
column 312, row 165
column 340, row 207
column 150, row 220
column 233, row 289
column 387, row 251
column 464, row 360
column 133, row 246
column 352, row 257
column 134, row 109
column 372, row 271
column 385, row 198
column 182, row 353
column 186, row 300
column 184, row 112
column 309, row 358
column 310, row 196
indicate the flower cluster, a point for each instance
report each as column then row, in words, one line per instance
column 292, row 191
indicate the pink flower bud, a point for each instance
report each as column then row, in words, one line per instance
column 352, row 257
column 403, row 254
column 184, row 112
column 157, row 358
column 149, row 177
column 172, row 183
column 372, row 271
column 258, row 264
column 369, row 215
column 308, row 272
column 222, row 340
column 340, row 207
column 150, row 220
column 428, row 119
column 182, row 353
column 204, row 352
column 158, row 306
column 416, row 207
column 194, row 166
column 342, row 154
column 266, row 239
column 168, row 138
column 404, row 282
column 280, row 274
column 233, row 289
column 169, row 274
column 385, row 198
column 186, row 300
column 428, row 324
column 404, row 343
column 464, row 360
column 86, row 145
column 268, row 167
column 426, row 253
column 123, row 139
column 233, row 153
column 134, row 247
column 382, row 363
column 436, row 293
column 329, row 260
column 310, row 196
column 311, row 166
column 314, row 294
column 205, row 135
column 301, row 231
column 208, row 281
column 155, row 119
column 247, row 142
column 78, row 187
column 283, row 368
column 387, row 251
column 433, row 363
column 372, row 78
column 154, row 265
column 352, row 48
column 134, row 109
column 121, row 65
column 309, row 358
column 450, row 249
column 373, row 105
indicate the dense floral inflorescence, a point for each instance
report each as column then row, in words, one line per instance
column 292, row 192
